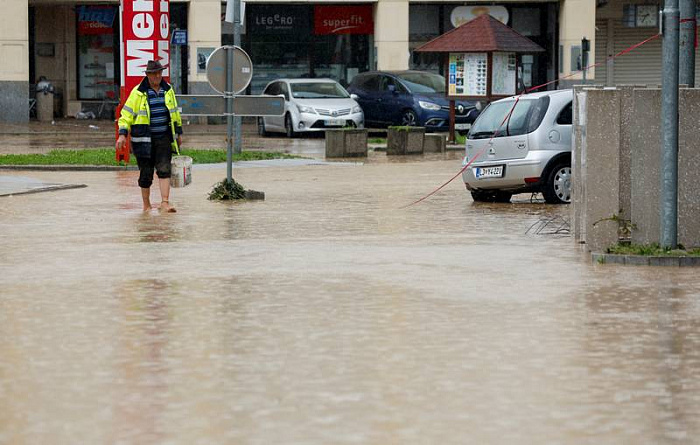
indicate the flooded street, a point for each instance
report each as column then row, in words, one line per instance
column 327, row 314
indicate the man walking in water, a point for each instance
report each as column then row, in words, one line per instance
column 151, row 115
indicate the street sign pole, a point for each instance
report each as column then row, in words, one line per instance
column 228, row 94
column 237, row 42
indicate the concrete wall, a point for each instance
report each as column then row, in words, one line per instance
column 645, row 166
column 14, row 54
column 689, row 168
column 617, row 163
column 602, row 162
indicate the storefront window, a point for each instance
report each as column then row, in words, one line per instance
column 97, row 68
column 307, row 41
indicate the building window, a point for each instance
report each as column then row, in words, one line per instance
column 97, row 56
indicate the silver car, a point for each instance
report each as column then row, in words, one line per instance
column 311, row 105
column 530, row 151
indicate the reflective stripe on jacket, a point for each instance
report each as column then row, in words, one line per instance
column 135, row 118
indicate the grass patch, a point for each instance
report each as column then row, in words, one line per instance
column 105, row 156
column 376, row 140
column 650, row 250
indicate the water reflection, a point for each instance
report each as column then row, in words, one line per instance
column 156, row 227
column 142, row 378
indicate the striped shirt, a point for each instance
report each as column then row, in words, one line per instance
column 160, row 117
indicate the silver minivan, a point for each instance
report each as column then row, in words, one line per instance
column 521, row 149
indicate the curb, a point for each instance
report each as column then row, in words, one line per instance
column 52, row 188
column 54, row 168
column 640, row 260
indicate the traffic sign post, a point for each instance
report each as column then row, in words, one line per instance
column 229, row 71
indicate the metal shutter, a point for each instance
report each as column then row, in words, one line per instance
column 601, row 37
column 642, row 65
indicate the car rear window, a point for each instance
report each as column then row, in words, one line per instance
column 524, row 118
column 565, row 117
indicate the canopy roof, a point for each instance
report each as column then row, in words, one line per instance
column 481, row 34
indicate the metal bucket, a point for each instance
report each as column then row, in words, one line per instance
column 181, row 171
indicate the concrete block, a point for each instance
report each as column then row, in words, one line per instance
column 637, row 260
column 345, row 143
column 614, row 259
column 602, row 166
column 645, row 139
column 627, row 119
column 404, row 140
column 577, row 151
column 254, row 195
column 689, row 168
column 15, row 96
column 434, row 143
column 664, row 261
column 692, row 261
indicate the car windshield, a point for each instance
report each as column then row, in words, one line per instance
column 424, row 82
column 525, row 118
column 318, row 90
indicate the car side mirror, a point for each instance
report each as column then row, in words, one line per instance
column 391, row 88
column 354, row 96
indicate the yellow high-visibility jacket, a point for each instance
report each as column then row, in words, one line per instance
column 136, row 118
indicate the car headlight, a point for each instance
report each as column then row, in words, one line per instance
column 428, row 105
column 356, row 109
column 305, row 109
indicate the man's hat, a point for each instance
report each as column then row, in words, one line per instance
column 154, row 66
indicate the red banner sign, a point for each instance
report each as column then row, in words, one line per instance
column 343, row 20
column 145, row 36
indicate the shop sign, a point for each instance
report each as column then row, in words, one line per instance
column 282, row 19
column 462, row 14
column 94, row 20
column 343, row 20
column 145, row 36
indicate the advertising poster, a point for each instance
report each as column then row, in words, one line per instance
column 504, row 68
column 96, row 52
column 468, row 74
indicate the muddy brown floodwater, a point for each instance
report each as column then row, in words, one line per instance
column 328, row 315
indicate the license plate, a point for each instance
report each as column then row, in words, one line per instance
column 463, row 126
column 495, row 171
column 335, row 122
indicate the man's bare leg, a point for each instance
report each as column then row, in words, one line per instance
column 164, row 184
column 146, row 197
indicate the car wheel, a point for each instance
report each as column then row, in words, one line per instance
column 288, row 126
column 261, row 127
column 557, row 188
column 409, row 118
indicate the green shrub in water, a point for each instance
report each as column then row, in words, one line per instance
column 227, row 190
